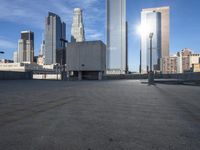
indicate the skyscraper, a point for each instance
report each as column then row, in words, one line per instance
column 55, row 30
column 42, row 48
column 155, row 20
column 15, row 57
column 77, row 31
column 116, row 36
column 26, row 47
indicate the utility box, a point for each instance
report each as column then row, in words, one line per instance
column 87, row 60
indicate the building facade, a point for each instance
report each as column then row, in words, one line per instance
column 116, row 37
column 184, row 61
column 26, row 47
column 15, row 57
column 168, row 65
column 156, row 21
column 77, row 31
column 152, row 21
column 55, row 30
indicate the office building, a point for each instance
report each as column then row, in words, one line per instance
column 168, row 65
column 55, row 30
column 26, row 47
column 156, row 21
column 15, row 57
column 184, row 61
column 42, row 48
column 77, row 31
column 116, row 37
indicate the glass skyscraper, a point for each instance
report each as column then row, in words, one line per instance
column 116, row 36
column 54, row 31
column 156, row 21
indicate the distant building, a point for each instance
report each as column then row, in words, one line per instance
column 61, row 56
column 77, row 31
column 19, row 67
column 35, row 59
column 156, row 21
column 168, row 65
column 26, row 47
column 195, row 67
column 184, row 61
column 15, row 57
column 55, row 30
column 40, row 60
column 116, row 37
column 5, row 61
column 42, row 48
column 86, row 59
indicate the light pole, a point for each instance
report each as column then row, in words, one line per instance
column 151, row 73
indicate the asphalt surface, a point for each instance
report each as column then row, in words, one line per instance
column 106, row 115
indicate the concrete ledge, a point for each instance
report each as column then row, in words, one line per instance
column 10, row 75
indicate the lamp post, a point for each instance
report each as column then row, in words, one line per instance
column 151, row 73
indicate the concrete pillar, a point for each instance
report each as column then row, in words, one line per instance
column 100, row 75
column 80, row 75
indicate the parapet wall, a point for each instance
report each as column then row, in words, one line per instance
column 10, row 75
column 184, row 76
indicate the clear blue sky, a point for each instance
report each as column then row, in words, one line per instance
column 18, row 15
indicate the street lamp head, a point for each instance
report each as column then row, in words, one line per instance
column 1, row 52
column 151, row 35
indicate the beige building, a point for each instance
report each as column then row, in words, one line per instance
column 40, row 60
column 196, row 68
column 165, row 28
column 19, row 67
column 185, row 61
column 168, row 65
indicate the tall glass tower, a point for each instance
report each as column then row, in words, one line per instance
column 116, row 36
column 54, row 31
column 156, row 21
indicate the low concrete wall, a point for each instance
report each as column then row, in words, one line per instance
column 185, row 76
column 46, row 77
column 120, row 77
column 10, row 75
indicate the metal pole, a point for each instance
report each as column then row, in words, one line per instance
column 151, row 53
column 151, row 73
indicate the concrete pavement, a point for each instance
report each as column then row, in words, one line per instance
column 93, row 115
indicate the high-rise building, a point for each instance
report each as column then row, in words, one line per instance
column 77, row 31
column 42, row 48
column 26, row 47
column 55, row 30
column 156, row 21
column 15, row 57
column 116, row 37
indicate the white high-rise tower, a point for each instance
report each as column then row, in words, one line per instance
column 77, row 32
